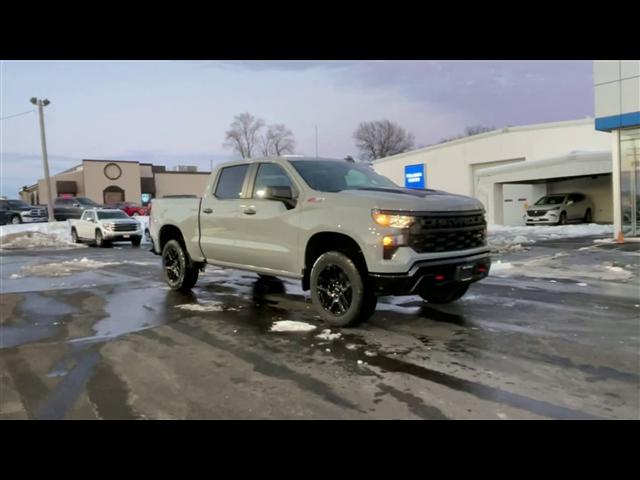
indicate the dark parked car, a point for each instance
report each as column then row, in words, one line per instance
column 66, row 208
column 18, row 211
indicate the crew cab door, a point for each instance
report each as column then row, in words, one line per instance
column 267, row 231
column 86, row 225
column 219, row 215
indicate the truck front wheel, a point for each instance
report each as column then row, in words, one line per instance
column 178, row 273
column 444, row 293
column 339, row 291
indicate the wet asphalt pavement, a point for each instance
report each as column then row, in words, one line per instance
column 115, row 343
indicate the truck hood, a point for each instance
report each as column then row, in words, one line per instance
column 119, row 221
column 415, row 200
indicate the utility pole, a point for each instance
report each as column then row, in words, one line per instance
column 45, row 159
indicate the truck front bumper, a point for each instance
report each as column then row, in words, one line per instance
column 28, row 219
column 120, row 236
column 425, row 273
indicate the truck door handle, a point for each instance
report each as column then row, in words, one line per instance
column 207, row 210
column 249, row 211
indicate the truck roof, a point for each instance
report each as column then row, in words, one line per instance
column 278, row 159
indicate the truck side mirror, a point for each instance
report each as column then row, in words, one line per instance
column 570, row 202
column 281, row 194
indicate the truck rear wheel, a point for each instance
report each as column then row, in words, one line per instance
column 178, row 272
column 444, row 293
column 339, row 291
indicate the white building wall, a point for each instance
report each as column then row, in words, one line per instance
column 456, row 166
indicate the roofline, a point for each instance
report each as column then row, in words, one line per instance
column 498, row 131
column 110, row 161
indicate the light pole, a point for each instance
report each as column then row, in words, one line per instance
column 45, row 159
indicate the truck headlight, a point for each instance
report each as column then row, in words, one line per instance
column 108, row 226
column 391, row 219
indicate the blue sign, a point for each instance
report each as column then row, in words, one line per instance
column 414, row 176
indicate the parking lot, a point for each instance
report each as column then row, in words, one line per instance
column 95, row 333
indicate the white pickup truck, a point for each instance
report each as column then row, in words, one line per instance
column 101, row 226
column 348, row 233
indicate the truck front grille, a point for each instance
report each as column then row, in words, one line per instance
column 447, row 232
column 125, row 227
column 38, row 212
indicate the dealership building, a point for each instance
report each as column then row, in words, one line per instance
column 617, row 111
column 510, row 168
column 111, row 181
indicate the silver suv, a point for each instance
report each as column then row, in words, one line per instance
column 559, row 209
column 346, row 232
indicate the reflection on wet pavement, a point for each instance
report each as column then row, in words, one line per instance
column 110, row 343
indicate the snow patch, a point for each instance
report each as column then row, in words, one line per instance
column 291, row 326
column 205, row 307
column 327, row 335
column 505, row 238
column 62, row 269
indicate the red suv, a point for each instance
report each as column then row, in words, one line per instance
column 131, row 208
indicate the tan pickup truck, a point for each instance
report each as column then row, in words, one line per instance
column 347, row 233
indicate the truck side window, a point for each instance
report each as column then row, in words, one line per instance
column 230, row 182
column 270, row 175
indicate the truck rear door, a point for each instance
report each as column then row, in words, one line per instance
column 219, row 215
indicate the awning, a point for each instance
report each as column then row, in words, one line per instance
column 66, row 186
column 147, row 185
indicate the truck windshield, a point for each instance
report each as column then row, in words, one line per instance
column 551, row 200
column 335, row 176
column 107, row 215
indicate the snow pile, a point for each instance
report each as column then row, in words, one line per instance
column 552, row 268
column 37, row 235
column 327, row 335
column 291, row 326
column 511, row 238
column 62, row 269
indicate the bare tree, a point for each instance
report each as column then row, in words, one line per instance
column 381, row 138
column 468, row 132
column 243, row 135
column 277, row 141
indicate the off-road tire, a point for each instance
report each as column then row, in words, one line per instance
column 183, row 275
column 356, row 301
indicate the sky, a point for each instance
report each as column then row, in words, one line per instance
column 176, row 112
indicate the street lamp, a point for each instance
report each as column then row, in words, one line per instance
column 45, row 159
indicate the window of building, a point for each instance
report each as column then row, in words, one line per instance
column 230, row 182
column 630, row 180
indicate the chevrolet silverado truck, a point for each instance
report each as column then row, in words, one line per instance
column 101, row 226
column 346, row 232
